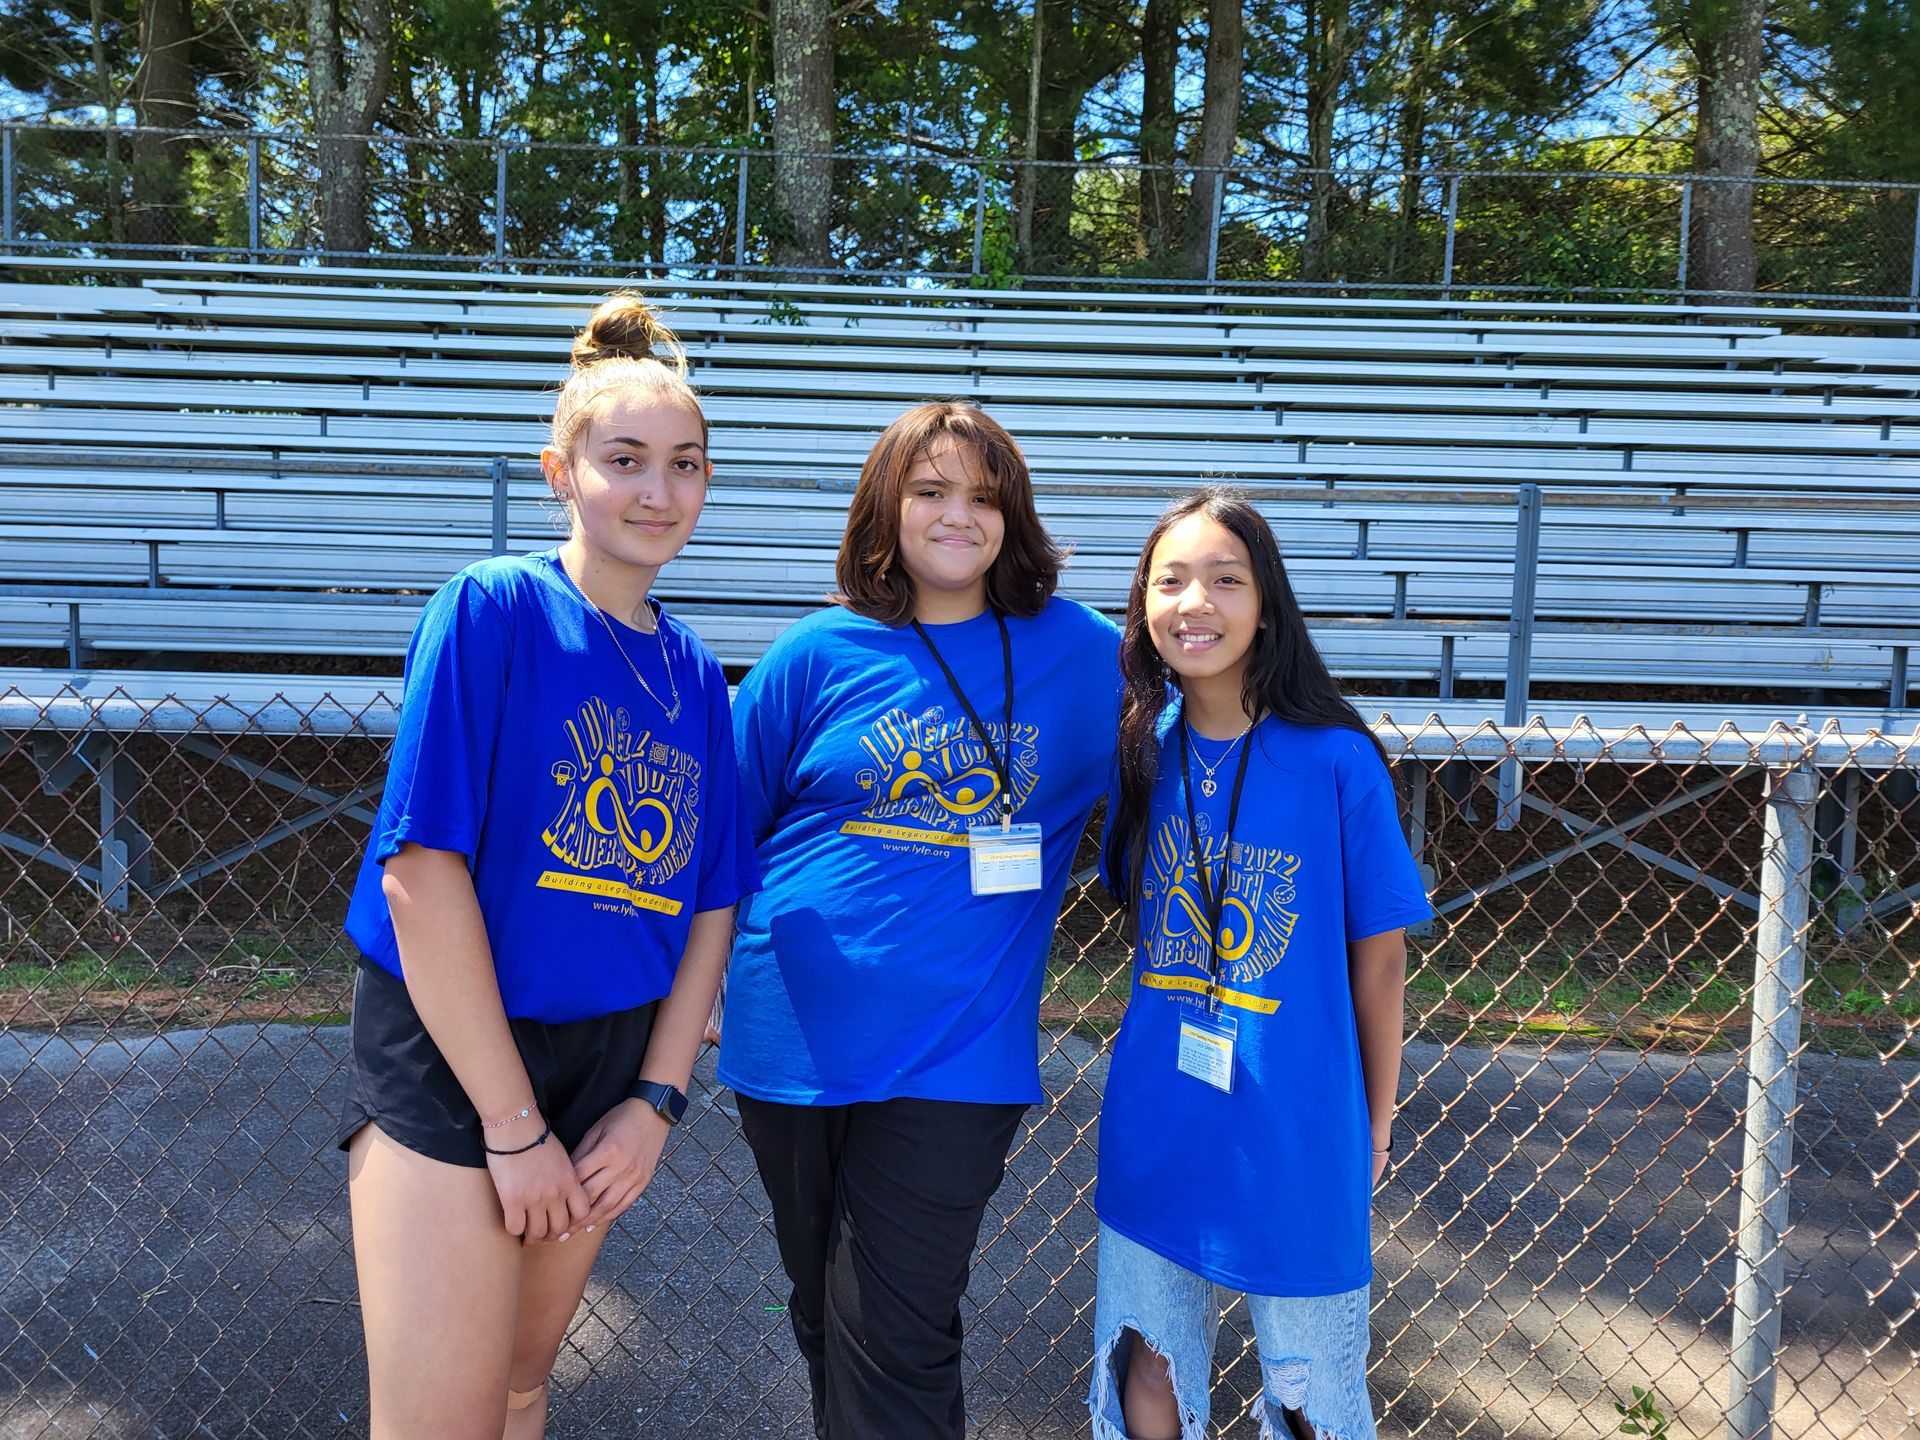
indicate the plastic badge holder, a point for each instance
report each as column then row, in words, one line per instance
column 1004, row 861
column 1206, row 1050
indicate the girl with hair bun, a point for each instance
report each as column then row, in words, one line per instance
column 543, row 912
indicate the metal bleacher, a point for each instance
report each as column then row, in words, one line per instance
column 195, row 462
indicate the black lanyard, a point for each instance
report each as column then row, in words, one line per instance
column 1214, row 900
column 993, row 751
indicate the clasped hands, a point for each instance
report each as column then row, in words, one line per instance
column 548, row 1195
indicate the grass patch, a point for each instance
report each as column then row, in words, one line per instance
column 239, row 982
column 75, row 975
column 1468, row 985
column 1857, row 1002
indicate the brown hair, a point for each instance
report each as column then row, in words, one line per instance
column 625, row 343
column 868, row 575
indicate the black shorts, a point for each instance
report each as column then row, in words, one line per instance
column 398, row 1079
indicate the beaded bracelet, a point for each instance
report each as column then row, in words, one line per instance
column 502, row 1124
column 524, row 1148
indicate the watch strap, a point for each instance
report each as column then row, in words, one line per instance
column 670, row 1102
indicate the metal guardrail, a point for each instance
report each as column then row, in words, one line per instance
column 1658, row 1112
column 67, row 189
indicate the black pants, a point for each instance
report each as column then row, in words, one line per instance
column 877, row 1210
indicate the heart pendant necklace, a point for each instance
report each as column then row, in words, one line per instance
column 1208, row 786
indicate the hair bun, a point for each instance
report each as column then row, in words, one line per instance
column 626, row 327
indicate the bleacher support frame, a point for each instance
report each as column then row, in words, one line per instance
column 98, row 728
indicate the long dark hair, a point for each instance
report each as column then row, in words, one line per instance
column 1285, row 676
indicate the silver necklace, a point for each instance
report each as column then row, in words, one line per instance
column 1207, row 783
column 673, row 710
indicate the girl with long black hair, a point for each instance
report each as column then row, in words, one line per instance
column 1253, row 838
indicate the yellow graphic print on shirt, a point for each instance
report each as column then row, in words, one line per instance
column 628, row 803
column 932, row 778
column 1256, row 920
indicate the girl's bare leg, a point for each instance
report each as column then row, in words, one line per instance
column 440, row 1283
column 553, row 1276
column 1147, row 1401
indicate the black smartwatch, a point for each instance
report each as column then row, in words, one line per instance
column 671, row 1103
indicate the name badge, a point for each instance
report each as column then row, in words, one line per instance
column 1206, row 1050
column 1004, row 861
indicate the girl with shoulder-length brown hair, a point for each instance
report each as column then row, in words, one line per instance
column 919, row 762
column 1023, row 574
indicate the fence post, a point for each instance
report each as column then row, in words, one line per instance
column 1686, row 231
column 1913, row 275
column 123, row 844
column 253, row 197
column 1417, row 837
column 740, row 218
column 6, row 186
column 1213, row 225
column 1836, row 869
column 499, row 504
column 979, row 217
column 499, row 204
column 1773, row 1065
column 1453, row 212
column 1526, row 582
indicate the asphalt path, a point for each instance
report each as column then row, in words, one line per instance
column 174, row 1255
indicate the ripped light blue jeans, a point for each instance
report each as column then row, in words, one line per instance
column 1313, row 1349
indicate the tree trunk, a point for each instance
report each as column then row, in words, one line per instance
column 1412, row 133
column 469, row 226
column 1728, row 42
column 1219, row 124
column 346, row 98
column 423, row 218
column 654, row 220
column 626, row 165
column 802, row 131
column 752, row 98
column 1026, row 193
column 1326, row 72
column 163, row 100
column 1052, row 186
column 1160, row 50
column 109, row 116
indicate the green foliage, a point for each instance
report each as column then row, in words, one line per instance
column 1643, row 1417
column 782, row 311
column 1565, row 237
column 999, row 249
column 939, row 86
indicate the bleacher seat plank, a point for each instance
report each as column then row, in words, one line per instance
column 1104, row 297
column 469, row 383
column 287, row 464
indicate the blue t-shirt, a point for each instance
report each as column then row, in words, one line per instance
column 595, row 827
column 1266, row 1189
column 867, row 969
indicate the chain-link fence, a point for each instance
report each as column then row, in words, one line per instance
column 1659, row 1126
column 91, row 191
